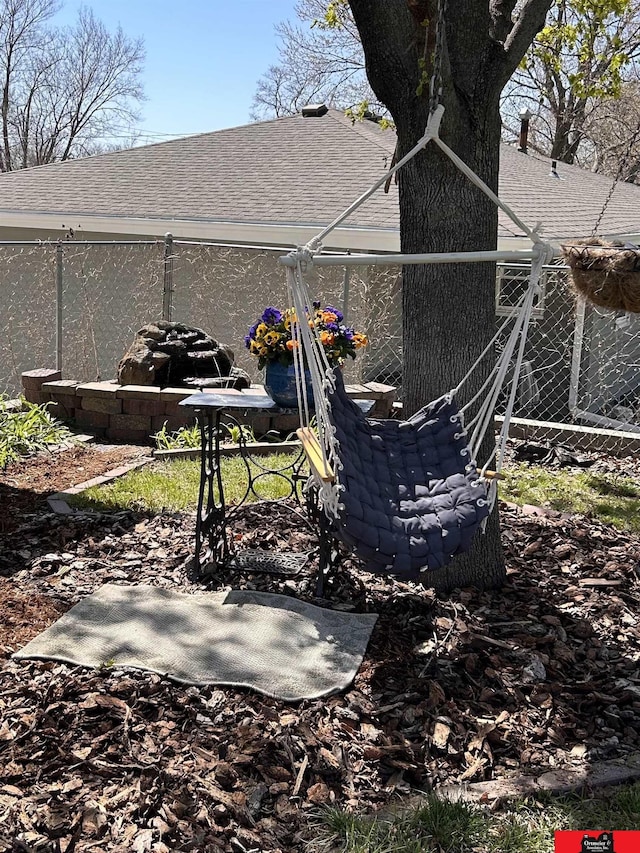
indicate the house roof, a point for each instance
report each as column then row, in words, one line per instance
column 293, row 171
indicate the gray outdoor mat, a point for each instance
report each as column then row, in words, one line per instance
column 272, row 643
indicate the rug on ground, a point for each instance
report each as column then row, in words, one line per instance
column 277, row 645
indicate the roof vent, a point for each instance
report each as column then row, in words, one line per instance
column 314, row 110
column 554, row 170
column 525, row 117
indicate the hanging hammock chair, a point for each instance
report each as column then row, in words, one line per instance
column 409, row 500
column 406, row 496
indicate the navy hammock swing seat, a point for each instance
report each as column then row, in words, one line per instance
column 409, row 499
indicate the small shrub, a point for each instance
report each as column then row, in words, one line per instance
column 28, row 430
column 183, row 438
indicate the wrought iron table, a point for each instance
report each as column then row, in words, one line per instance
column 214, row 516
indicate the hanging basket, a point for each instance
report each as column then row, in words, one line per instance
column 607, row 274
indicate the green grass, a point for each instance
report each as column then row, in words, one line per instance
column 173, row 486
column 445, row 827
column 608, row 498
column 29, row 430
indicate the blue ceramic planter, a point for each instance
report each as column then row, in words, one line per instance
column 280, row 383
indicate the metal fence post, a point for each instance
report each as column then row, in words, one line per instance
column 59, row 282
column 345, row 289
column 167, row 293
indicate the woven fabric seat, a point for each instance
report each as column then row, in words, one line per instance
column 409, row 500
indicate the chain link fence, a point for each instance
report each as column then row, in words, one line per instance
column 78, row 305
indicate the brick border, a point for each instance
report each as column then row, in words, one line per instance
column 58, row 501
column 133, row 413
column 566, row 780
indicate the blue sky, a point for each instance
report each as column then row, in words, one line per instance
column 203, row 58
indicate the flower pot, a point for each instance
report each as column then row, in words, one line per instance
column 280, row 383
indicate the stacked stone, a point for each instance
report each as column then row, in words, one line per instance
column 173, row 354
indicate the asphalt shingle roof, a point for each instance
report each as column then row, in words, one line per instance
column 296, row 170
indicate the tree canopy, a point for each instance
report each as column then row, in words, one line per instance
column 577, row 66
column 64, row 89
column 321, row 60
column 571, row 77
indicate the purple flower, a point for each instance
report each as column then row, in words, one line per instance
column 272, row 316
column 348, row 333
column 247, row 340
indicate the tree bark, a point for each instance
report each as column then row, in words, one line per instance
column 448, row 310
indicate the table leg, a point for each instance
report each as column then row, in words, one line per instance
column 211, row 521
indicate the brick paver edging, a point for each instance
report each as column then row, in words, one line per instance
column 560, row 781
column 58, row 501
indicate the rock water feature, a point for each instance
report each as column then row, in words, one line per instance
column 173, row 354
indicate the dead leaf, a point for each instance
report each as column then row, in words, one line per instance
column 318, row 794
column 94, row 817
column 440, row 736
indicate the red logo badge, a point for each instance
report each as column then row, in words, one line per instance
column 597, row 841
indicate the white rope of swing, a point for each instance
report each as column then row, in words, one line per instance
column 316, row 356
column 484, row 418
column 431, row 133
column 305, row 333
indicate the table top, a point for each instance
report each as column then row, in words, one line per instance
column 224, row 400
column 247, row 400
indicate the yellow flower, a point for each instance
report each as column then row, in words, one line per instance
column 261, row 330
column 271, row 338
column 289, row 318
column 255, row 347
column 263, row 351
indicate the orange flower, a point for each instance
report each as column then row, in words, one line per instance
column 360, row 340
column 291, row 345
column 327, row 338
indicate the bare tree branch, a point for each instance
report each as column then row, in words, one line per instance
column 63, row 90
column 530, row 21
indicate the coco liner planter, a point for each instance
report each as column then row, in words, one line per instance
column 607, row 274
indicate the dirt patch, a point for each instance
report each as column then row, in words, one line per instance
column 25, row 485
column 23, row 616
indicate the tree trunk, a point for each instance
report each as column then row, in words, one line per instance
column 448, row 310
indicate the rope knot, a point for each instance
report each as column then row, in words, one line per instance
column 303, row 256
column 313, row 246
column 544, row 251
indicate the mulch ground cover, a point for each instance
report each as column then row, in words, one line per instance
column 541, row 674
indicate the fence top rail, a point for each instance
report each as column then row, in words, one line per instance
column 263, row 248
column 430, row 258
column 53, row 244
